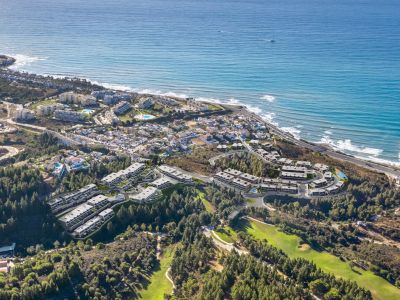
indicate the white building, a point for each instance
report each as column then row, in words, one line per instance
column 148, row 194
column 65, row 201
column 133, row 171
column 294, row 175
column 44, row 110
column 99, row 201
column 23, row 115
column 78, row 99
column 122, row 108
column 77, row 216
column 161, row 183
column 318, row 183
column 175, row 174
column 69, row 115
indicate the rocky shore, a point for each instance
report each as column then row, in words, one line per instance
column 6, row 61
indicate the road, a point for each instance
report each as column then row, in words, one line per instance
column 390, row 171
column 201, row 177
column 11, row 151
column 223, row 245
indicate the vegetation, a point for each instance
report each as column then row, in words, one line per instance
column 24, row 216
column 226, row 233
column 248, row 163
column 159, row 285
column 295, row 248
column 118, row 270
column 196, row 161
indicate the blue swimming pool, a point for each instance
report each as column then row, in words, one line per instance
column 341, row 175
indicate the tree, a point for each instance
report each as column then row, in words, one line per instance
column 318, row 287
column 333, row 294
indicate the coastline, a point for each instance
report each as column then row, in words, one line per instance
column 390, row 168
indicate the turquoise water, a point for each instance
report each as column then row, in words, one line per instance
column 341, row 175
column 148, row 117
column 332, row 75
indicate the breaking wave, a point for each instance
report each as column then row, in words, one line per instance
column 347, row 145
column 344, row 145
column 293, row 131
column 22, row 60
column 268, row 98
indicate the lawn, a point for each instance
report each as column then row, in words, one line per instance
column 126, row 118
column 380, row 288
column 226, row 233
column 159, row 284
column 209, row 207
column 251, row 201
column 42, row 102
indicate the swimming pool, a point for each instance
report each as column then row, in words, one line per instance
column 341, row 175
column 144, row 117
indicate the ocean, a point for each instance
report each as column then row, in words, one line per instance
column 326, row 71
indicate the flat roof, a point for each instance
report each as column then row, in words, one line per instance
column 241, row 182
column 233, row 172
column 160, row 181
column 225, row 175
column 76, row 212
column 106, row 212
column 322, row 180
column 249, row 176
column 294, row 174
column 88, row 224
column 293, row 169
column 146, row 193
column 97, row 199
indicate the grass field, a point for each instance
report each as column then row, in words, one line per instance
column 226, row 233
column 250, row 201
column 42, row 102
column 209, row 207
column 159, row 284
column 126, row 118
column 290, row 244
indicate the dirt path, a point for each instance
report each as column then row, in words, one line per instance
column 11, row 151
column 169, row 278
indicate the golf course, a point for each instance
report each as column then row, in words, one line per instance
column 290, row 244
column 159, row 283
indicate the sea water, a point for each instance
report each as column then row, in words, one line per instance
column 326, row 71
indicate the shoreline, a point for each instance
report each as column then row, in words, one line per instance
column 390, row 169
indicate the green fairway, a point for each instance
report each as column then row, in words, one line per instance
column 226, row 233
column 159, row 284
column 380, row 288
column 207, row 204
